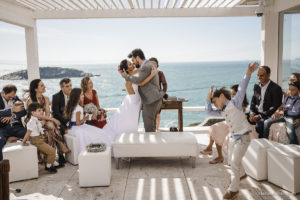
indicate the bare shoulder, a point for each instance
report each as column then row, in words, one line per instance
column 129, row 87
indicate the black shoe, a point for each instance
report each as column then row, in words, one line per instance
column 60, row 165
column 51, row 169
column 61, row 159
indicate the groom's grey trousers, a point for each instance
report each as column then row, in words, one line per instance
column 149, row 115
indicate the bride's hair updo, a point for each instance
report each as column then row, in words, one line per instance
column 124, row 66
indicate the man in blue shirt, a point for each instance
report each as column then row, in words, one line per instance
column 290, row 113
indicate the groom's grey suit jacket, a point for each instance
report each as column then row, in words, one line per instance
column 150, row 92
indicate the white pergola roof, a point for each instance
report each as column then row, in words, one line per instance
column 129, row 4
column 25, row 13
column 80, row 9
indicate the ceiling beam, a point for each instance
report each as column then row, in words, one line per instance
column 115, row 4
column 167, row 3
column 131, row 4
column 182, row 3
column 99, row 4
column 17, row 15
column 143, row 13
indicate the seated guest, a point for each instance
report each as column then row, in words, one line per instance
column 266, row 100
column 219, row 132
column 295, row 77
column 290, row 114
column 91, row 96
column 35, row 134
column 162, row 85
column 59, row 102
column 10, row 116
column 50, row 124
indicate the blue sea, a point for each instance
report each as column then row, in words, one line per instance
column 185, row 80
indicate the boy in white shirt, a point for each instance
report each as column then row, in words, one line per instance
column 35, row 134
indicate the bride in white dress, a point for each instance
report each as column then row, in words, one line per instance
column 124, row 120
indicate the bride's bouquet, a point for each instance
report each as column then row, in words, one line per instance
column 92, row 109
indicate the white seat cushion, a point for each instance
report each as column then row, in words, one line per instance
column 284, row 167
column 23, row 161
column 163, row 144
column 95, row 168
column 255, row 159
column 73, row 144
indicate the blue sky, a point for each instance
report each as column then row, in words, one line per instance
column 110, row 40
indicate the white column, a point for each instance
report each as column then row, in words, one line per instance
column 270, row 40
column 32, row 53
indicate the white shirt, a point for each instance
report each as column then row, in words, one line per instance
column 262, row 96
column 9, row 103
column 35, row 126
column 66, row 99
column 78, row 108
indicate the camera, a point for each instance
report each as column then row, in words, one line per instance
column 260, row 9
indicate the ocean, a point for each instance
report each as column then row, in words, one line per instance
column 185, row 80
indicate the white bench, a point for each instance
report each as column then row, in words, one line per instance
column 284, row 167
column 163, row 144
column 73, row 144
column 23, row 161
column 255, row 160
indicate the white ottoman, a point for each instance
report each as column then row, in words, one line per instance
column 23, row 161
column 73, row 144
column 255, row 159
column 284, row 167
column 163, row 144
column 94, row 168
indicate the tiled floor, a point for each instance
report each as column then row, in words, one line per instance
column 150, row 178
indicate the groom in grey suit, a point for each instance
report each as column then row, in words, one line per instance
column 150, row 93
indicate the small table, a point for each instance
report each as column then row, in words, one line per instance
column 175, row 104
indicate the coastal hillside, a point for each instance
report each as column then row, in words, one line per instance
column 47, row 73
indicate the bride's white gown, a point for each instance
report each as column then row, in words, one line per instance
column 124, row 120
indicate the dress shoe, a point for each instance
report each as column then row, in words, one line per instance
column 51, row 169
column 243, row 177
column 60, row 165
column 61, row 159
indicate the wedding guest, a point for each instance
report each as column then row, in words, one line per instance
column 266, row 100
column 85, row 133
column 50, row 124
column 59, row 102
column 91, row 96
column 11, row 113
column 162, row 85
column 295, row 77
column 219, row 132
column 35, row 134
column 239, row 127
column 290, row 114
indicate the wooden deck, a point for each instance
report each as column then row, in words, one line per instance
column 150, row 178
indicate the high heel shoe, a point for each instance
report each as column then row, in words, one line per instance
column 216, row 160
column 206, row 152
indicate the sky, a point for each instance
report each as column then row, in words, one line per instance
column 91, row 41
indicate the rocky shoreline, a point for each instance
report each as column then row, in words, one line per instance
column 48, row 73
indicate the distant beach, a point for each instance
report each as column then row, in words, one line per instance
column 185, row 80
